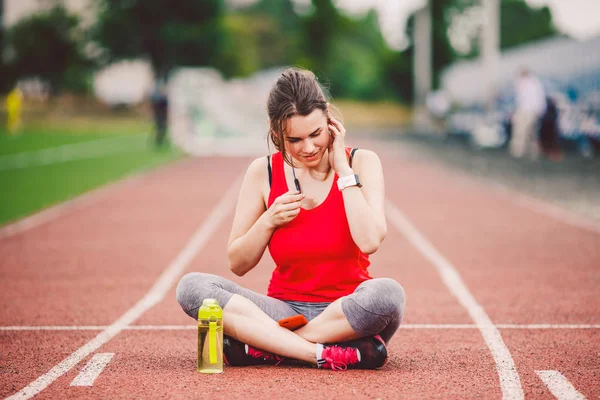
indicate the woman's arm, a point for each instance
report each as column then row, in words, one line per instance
column 252, row 225
column 250, row 234
column 365, row 206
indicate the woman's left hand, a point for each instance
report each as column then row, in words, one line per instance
column 337, row 150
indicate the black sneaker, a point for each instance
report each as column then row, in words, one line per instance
column 236, row 353
column 364, row 353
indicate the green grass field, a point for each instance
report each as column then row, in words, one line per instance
column 96, row 152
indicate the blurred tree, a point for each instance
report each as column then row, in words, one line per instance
column 356, row 61
column 5, row 78
column 279, row 45
column 262, row 35
column 167, row 32
column 320, row 26
column 520, row 23
column 399, row 67
column 48, row 45
column 350, row 54
column 239, row 55
column 443, row 53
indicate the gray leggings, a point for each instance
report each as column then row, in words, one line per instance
column 375, row 308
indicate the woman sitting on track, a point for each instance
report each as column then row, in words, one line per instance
column 319, row 234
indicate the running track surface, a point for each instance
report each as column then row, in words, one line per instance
column 481, row 272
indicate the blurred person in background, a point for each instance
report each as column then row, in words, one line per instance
column 14, row 104
column 549, row 140
column 530, row 107
column 160, row 110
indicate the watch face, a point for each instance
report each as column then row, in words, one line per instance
column 347, row 181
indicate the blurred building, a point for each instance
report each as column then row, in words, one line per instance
column 568, row 62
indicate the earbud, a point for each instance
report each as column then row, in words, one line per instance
column 296, row 182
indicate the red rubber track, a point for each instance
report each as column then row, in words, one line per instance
column 92, row 264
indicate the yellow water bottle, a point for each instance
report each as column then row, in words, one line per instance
column 210, row 337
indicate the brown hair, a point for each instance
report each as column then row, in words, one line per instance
column 296, row 92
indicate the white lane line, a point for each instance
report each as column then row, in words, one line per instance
column 184, row 327
column 510, row 383
column 92, row 369
column 76, row 203
column 54, row 328
column 560, row 386
column 71, row 152
column 154, row 296
column 549, row 326
column 162, row 327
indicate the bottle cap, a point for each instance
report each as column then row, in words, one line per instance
column 210, row 308
column 210, row 302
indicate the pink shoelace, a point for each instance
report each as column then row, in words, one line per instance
column 255, row 353
column 338, row 358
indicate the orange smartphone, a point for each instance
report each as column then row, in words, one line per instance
column 293, row 323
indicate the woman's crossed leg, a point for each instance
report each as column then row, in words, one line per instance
column 375, row 308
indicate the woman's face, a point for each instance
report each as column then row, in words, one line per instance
column 307, row 137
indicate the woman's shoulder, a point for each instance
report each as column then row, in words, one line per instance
column 365, row 157
column 257, row 177
column 258, row 167
column 258, row 170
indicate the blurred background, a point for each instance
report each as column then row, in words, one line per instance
column 94, row 90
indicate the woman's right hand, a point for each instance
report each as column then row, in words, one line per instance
column 284, row 209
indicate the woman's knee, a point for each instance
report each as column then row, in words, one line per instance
column 396, row 299
column 193, row 288
column 390, row 298
column 374, row 306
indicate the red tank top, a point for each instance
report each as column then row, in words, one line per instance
column 316, row 258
